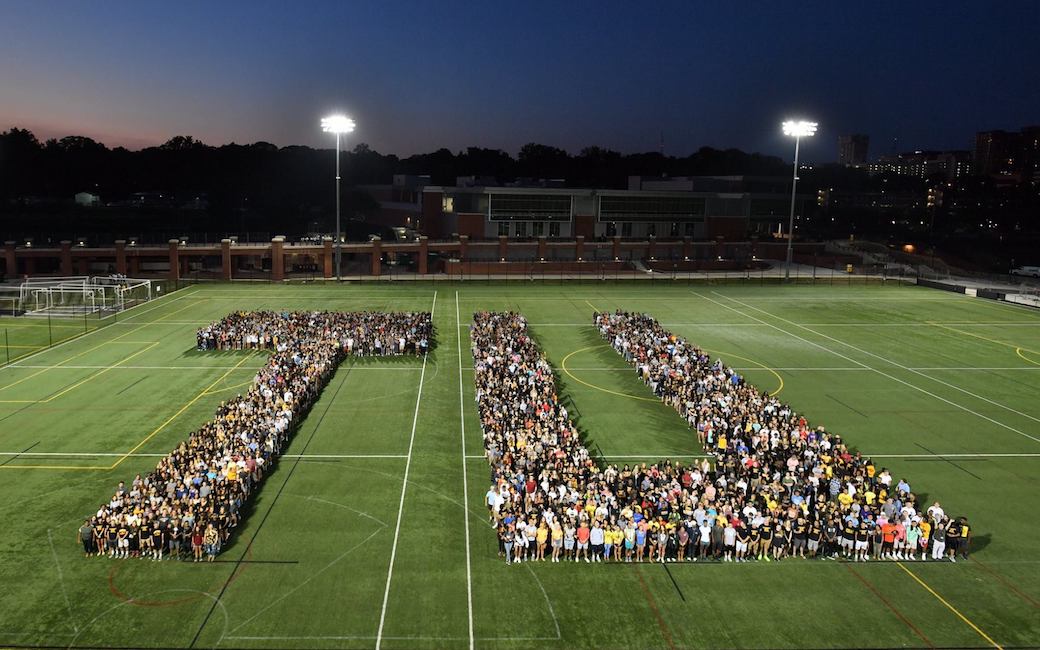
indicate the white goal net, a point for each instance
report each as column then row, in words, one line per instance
column 76, row 296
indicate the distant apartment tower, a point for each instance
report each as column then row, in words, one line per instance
column 997, row 152
column 852, row 149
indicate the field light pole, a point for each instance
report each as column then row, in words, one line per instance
column 799, row 129
column 337, row 124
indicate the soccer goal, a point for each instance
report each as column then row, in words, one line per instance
column 72, row 297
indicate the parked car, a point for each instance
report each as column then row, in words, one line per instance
column 1029, row 271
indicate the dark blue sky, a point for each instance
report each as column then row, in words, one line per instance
column 417, row 76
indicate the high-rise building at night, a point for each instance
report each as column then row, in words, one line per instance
column 852, row 149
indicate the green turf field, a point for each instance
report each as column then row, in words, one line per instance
column 371, row 532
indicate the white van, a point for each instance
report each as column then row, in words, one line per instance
column 1030, row 271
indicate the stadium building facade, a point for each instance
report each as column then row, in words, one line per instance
column 727, row 207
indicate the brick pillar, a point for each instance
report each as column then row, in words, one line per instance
column 30, row 266
column 463, row 243
column 175, row 260
column 424, row 255
column 615, row 247
column 225, row 259
column 377, row 255
column 503, row 247
column 541, row 248
column 83, row 265
column 278, row 258
column 327, row 257
column 10, row 259
column 121, row 256
column 66, row 257
column 135, row 266
column 650, row 246
column 579, row 247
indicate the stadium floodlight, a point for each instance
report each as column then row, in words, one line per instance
column 338, row 124
column 798, row 129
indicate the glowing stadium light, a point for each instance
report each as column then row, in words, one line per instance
column 337, row 124
column 798, row 129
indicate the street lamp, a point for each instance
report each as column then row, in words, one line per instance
column 799, row 129
column 337, row 124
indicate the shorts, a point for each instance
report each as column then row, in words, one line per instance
column 557, row 543
column 123, row 543
column 813, row 544
column 741, row 547
column 845, row 542
column 583, row 546
column 629, row 544
column 861, row 546
column 568, row 544
column 799, row 542
column 597, row 549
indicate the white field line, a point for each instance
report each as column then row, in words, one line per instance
column 328, row 566
column 552, row 612
column 935, row 455
column 812, row 369
column 99, row 329
column 864, row 324
column 362, row 637
column 404, row 489
column 916, row 372
column 61, row 580
column 352, row 369
column 104, row 454
column 851, row 360
column 465, row 481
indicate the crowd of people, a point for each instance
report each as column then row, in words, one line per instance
column 770, row 487
column 189, row 504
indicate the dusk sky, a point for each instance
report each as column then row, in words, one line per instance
column 417, row 76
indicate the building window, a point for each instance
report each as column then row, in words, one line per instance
column 538, row 228
column 448, row 204
column 521, row 228
column 675, row 229
column 611, row 229
column 554, row 228
column 690, row 228
column 626, row 229
column 503, row 228
column 651, row 230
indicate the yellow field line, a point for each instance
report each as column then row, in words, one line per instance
column 101, row 372
column 80, row 354
column 231, row 387
column 1018, row 351
column 563, row 366
column 950, row 607
column 984, row 338
column 81, row 382
column 179, row 411
column 757, row 363
column 592, row 305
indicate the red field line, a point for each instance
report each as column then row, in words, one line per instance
column 890, row 606
column 657, row 613
column 1024, row 596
